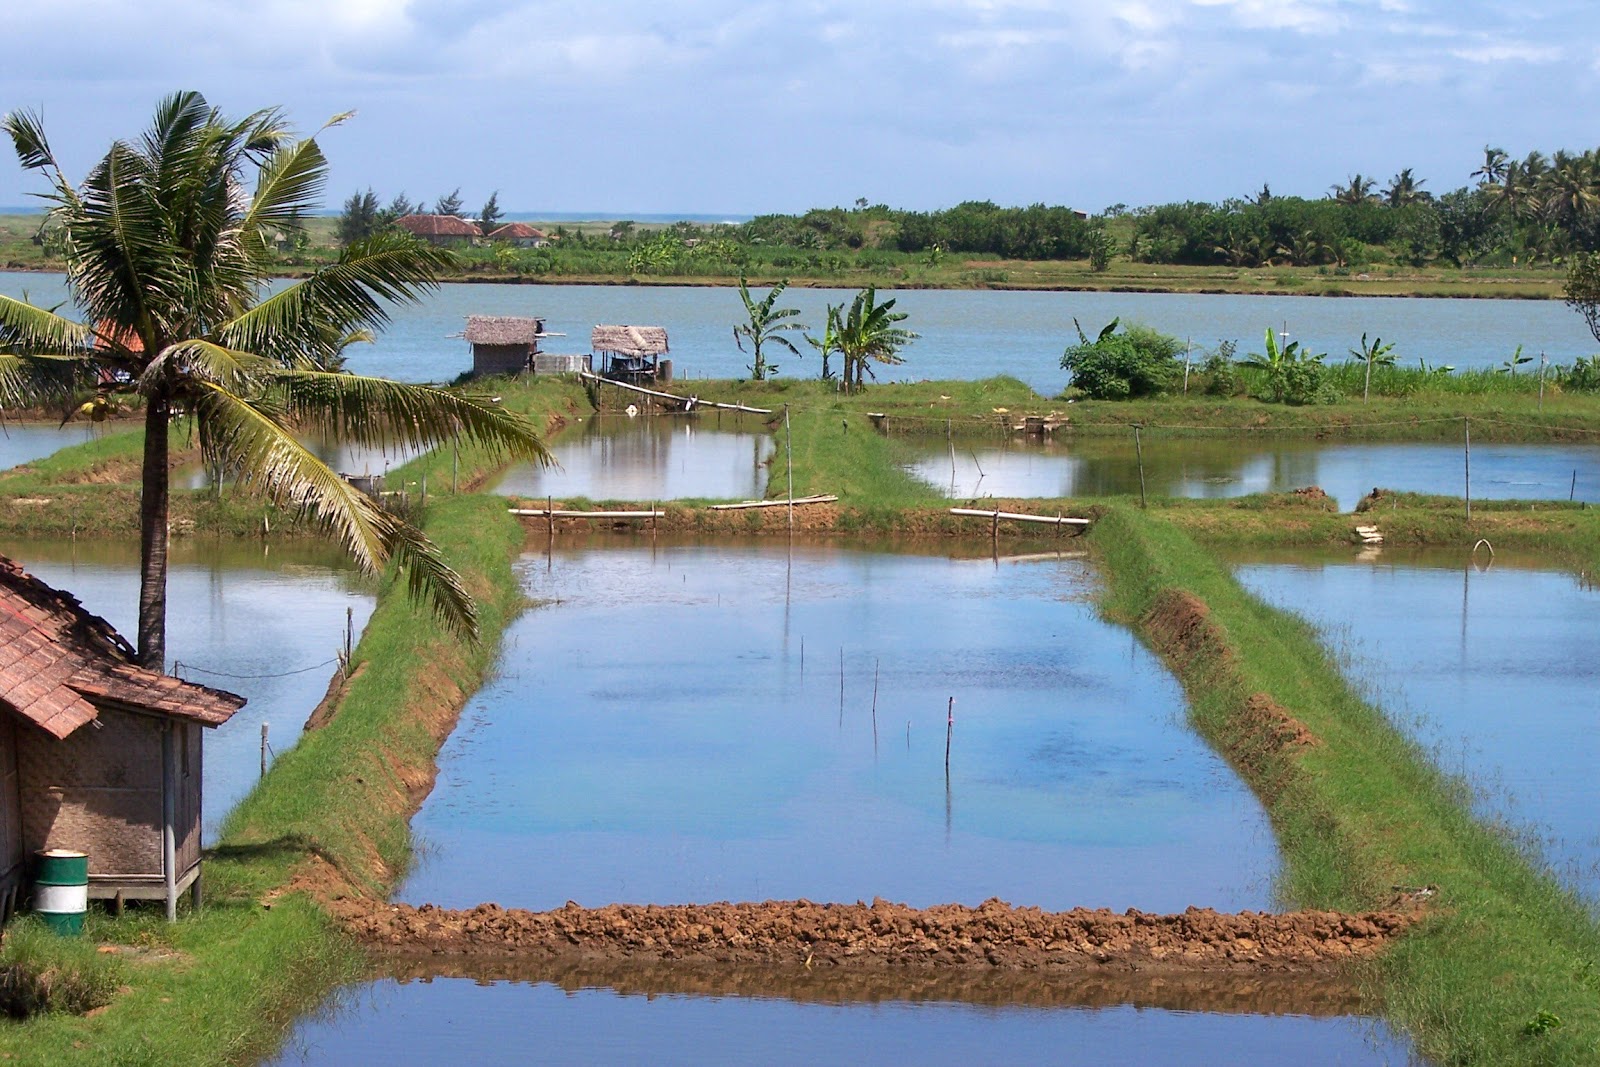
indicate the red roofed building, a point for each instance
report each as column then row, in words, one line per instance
column 443, row 230
column 97, row 754
column 521, row 235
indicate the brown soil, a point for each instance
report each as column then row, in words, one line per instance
column 1179, row 627
column 1277, row 730
column 993, row 935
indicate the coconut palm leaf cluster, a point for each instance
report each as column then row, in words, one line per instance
column 168, row 244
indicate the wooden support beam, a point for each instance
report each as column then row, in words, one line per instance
column 688, row 402
column 557, row 513
column 826, row 498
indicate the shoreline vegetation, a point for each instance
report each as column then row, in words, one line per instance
column 1502, row 968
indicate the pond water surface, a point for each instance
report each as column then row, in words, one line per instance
column 263, row 623
column 711, row 457
column 670, row 728
column 24, row 442
column 963, row 334
column 1496, row 668
column 1099, row 466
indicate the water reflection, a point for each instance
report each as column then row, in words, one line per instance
column 653, row 735
column 451, row 1020
column 717, row 457
column 1212, row 469
column 262, row 623
column 1495, row 667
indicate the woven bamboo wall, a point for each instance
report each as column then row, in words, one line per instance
column 500, row 359
column 99, row 791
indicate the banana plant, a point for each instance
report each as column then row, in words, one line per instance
column 1517, row 359
column 1371, row 353
column 1277, row 360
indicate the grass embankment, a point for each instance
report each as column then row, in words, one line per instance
column 220, row 987
column 1505, row 969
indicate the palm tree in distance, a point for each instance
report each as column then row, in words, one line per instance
column 1405, row 189
column 1494, row 166
column 167, row 257
column 1360, row 190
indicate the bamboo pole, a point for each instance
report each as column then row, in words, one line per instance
column 1467, row 424
column 688, row 402
column 554, row 514
column 1019, row 517
column 788, row 462
column 792, row 502
column 1138, row 449
column 949, row 732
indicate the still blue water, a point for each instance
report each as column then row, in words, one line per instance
column 668, row 728
column 1496, row 668
column 1099, row 466
column 964, row 334
column 26, row 442
column 642, row 459
column 263, row 623
column 456, row 1020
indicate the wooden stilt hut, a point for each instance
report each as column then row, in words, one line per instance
column 97, row 754
column 632, row 353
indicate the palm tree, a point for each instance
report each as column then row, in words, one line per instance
column 1358, row 191
column 1404, row 190
column 167, row 260
column 1494, row 166
column 868, row 331
column 767, row 325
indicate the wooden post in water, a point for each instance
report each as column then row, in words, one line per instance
column 263, row 750
column 1467, row 458
column 788, row 450
column 1572, row 493
column 949, row 732
column 949, row 436
column 1541, row 382
column 875, row 664
column 550, row 514
column 1138, row 450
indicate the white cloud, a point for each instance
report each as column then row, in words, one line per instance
column 1509, row 52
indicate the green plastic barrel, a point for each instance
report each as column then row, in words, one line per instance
column 61, row 890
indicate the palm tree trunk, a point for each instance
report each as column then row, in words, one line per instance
column 153, row 536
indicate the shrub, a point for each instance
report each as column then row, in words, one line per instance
column 40, row 972
column 1138, row 362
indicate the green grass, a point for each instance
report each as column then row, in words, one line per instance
column 1366, row 810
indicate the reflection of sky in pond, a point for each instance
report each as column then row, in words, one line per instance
column 671, row 730
column 642, row 459
column 1218, row 469
column 457, row 1020
column 1497, row 670
column 342, row 457
column 238, row 609
column 23, row 442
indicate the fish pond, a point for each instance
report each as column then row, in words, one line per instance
column 263, row 623
column 1099, row 466
column 709, row 457
column 1494, row 666
column 964, row 334
column 24, row 442
column 695, row 722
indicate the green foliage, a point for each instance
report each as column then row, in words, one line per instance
column 1220, row 372
column 1370, row 354
column 1542, row 1023
column 1101, row 247
column 449, row 204
column 1583, row 289
column 490, row 216
column 1292, row 374
column 1582, row 376
column 765, row 325
column 41, row 972
column 868, row 332
column 1137, row 362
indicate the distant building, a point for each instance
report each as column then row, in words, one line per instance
column 632, row 353
column 521, row 235
column 442, row 230
column 97, row 754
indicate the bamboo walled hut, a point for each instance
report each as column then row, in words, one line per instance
column 632, row 353
column 97, row 754
column 503, row 344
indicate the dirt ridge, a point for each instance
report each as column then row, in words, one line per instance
column 994, row 934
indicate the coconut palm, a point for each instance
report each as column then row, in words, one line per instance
column 868, row 332
column 167, row 260
column 1404, row 190
column 767, row 325
column 1494, row 166
column 1360, row 190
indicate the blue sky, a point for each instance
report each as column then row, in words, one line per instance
column 743, row 106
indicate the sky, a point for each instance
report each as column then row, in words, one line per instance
column 741, row 107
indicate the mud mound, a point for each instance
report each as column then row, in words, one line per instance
column 993, row 935
column 1271, row 723
column 1179, row 627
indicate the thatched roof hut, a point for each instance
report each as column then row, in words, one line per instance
column 440, row 229
column 632, row 353
column 127, row 791
column 503, row 344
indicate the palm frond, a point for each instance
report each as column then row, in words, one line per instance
column 26, row 129
column 267, row 457
column 289, row 185
column 378, row 411
column 38, row 330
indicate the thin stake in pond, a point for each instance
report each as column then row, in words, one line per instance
column 1467, row 455
column 949, row 731
column 875, row 708
column 841, row 686
column 1138, row 450
column 802, row 659
column 1572, row 493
